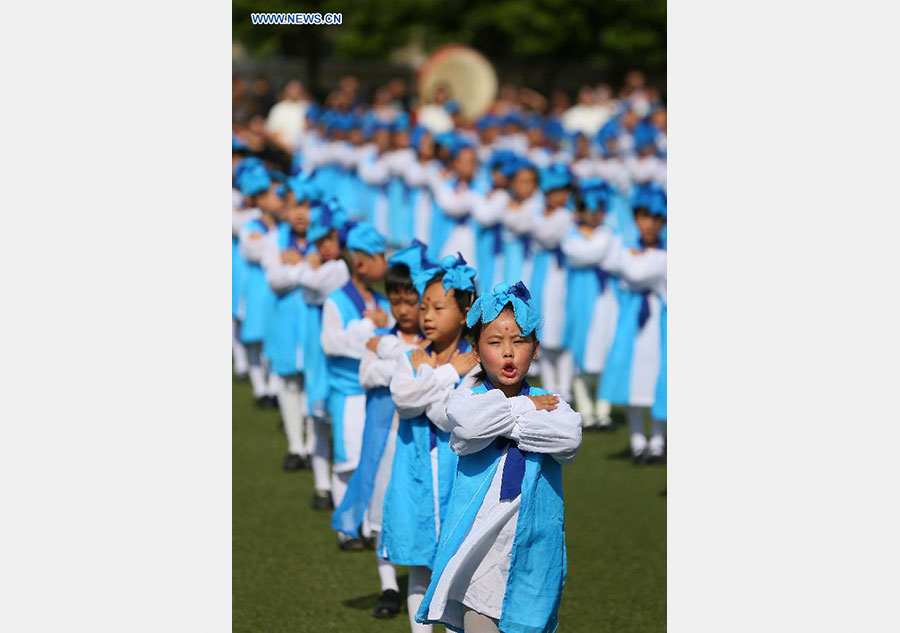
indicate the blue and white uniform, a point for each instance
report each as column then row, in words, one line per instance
column 503, row 552
column 488, row 213
column 518, row 220
column 455, row 200
column 548, row 285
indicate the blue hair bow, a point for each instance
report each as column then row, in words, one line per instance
column 595, row 194
column 413, row 257
column 253, row 179
column 652, row 197
column 366, row 238
column 303, row 186
column 451, row 106
column 555, row 176
column 401, row 123
column 488, row 306
column 457, row 275
column 324, row 216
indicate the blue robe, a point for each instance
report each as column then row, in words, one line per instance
column 537, row 571
column 660, row 408
column 260, row 298
column 286, row 332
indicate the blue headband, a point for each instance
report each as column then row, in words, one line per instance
column 303, row 186
column 595, row 194
column 324, row 216
column 413, row 257
column 253, row 179
column 555, row 176
column 653, row 198
column 456, row 275
column 488, row 120
column 488, row 306
column 364, row 237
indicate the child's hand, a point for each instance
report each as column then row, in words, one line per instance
column 379, row 317
column 314, row 259
column 372, row 343
column 585, row 230
column 423, row 343
column 291, row 256
column 418, row 357
column 462, row 363
column 635, row 251
column 547, row 402
column 255, row 236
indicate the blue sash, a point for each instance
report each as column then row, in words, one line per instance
column 514, row 467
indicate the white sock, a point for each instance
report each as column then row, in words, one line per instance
column 339, row 483
column 290, row 402
column 387, row 573
column 583, row 400
column 419, row 577
column 321, row 455
column 474, row 622
column 238, row 351
column 273, row 384
column 636, row 428
column 657, row 440
column 256, row 370
column 603, row 409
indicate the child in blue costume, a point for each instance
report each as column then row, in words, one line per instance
column 322, row 272
column 401, row 218
column 635, row 358
column 256, row 238
column 364, row 500
column 424, row 466
column 240, row 215
column 525, row 205
column 373, row 170
column 455, row 194
column 488, row 215
column 350, row 316
column 501, row 564
column 289, row 319
column 416, row 170
column 549, row 278
column 592, row 251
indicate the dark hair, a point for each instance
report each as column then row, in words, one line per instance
column 464, row 298
column 474, row 333
column 397, row 279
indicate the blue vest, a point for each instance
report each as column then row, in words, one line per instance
column 408, row 523
column 286, row 331
column 343, row 371
column 260, row 299
column 238, row 278
column 537, row 569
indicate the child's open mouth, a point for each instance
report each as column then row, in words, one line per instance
column 508, row 370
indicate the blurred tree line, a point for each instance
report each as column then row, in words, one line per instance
column 607, row 36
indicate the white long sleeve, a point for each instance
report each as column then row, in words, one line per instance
column 340, row 339
column 598, row 249
column 377, row 368
column 240, row 217
column 320, row 282
column 425, row 392
column 477, row 420
column 645, row 270
column 488, row 210
column 556, row 432
column 549, row 230
column 285, row 277
column 374, row 170
column 453, row 202
column 399, row 160
column 253, row 250
column 522, row 220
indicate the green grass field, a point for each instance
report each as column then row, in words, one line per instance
column 289, row 576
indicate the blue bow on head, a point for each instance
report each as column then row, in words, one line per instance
column 457, row 275
column 459, row 143
column 514, row 118
column 365, row 237
column 534, row 121
column 413, row 257
column 553, row 129
column 512, row 167
column 595, row 194
column 303, row 186
column 645, row 134
column 324, row 216
column 555, row 176
column 418, row 133
column 652, row 197
column 500, row 158
column 313, row 112
column 488, row 120
column 451, row 106
column 254, row 178
column 488, row 306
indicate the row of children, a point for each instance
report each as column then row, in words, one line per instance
column 388, row 374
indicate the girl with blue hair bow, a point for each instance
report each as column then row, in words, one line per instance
column 525, row 204
column 424, row 466
column 501, row 563
column 455, row 194
column 241, row 213
column 592, row 253
column 256, row 238
column 417, row 170
column 635, row 362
